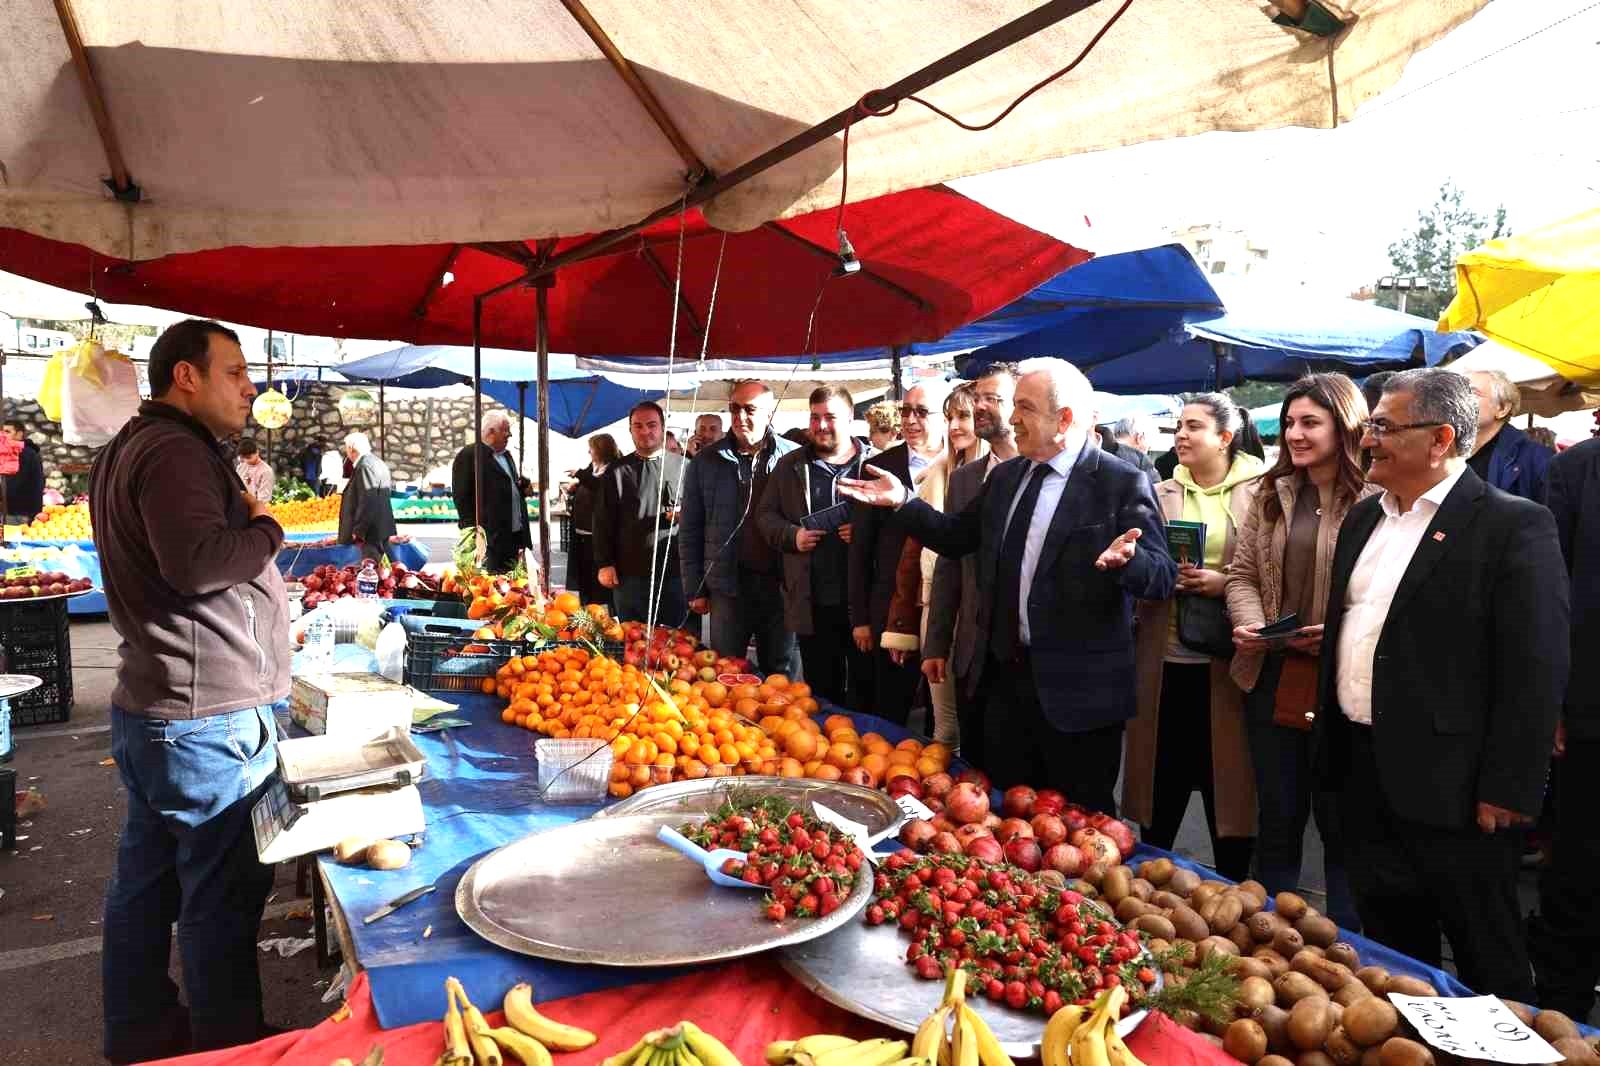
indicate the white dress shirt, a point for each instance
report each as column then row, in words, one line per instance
column 1373, row 582
column 1044, row 512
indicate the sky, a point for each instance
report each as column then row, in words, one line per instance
column 1509, row 120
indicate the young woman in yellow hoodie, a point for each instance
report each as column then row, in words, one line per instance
column 1189, row 734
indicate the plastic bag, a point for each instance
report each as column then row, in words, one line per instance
column 391, row 652
column 99, row 392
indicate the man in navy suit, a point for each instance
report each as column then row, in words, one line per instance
column 1066, row 537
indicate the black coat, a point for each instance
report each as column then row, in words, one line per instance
column 1572, row 491
column 500, row 494
column 1471, row 665
column 627, row 519
column 25, row 488
column 1080, row 619
column 875, row 547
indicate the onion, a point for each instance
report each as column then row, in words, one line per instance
column 1012, row 827
column 938, row 785
column 967, row 803
column 986, row 849
column 1064, row 858
column 1049, row 830
column 916, row 833
column 1024, row 852
column 1018, row 802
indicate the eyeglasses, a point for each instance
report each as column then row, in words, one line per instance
column 1381, row 427
column 920, row 413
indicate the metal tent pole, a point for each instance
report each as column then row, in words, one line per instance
column 542, row 293
column 522, row 412
column 896, row 390
column 477, row 407
column 383, row 431
column 268, row 457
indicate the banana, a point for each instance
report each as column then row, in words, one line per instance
column 484, row 1049
column 955, row 988
column 779, row 1052
column 877, row 1052
column 527, row 1050
column 930, row 1034
column 822, row 1043
column 1057, row 1032
column 521, row 1015
column 964, row 1042
column 707, row 1048
column 990, row 1053
column 1117, row 1051
column 1088, row 1044
column 457, row 1050
column 624, row 1058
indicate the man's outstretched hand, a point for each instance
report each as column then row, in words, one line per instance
column 1120, row 553
column 880, row 490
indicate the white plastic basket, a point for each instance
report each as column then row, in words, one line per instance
column 573, row 770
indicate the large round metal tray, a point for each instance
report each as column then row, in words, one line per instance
column 866, row 806
column 17, row 684
column 862, row 968
column 606, row 892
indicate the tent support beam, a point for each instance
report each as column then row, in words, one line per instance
column 896, row 391
column 436, row 283
column 833, row 258
column 697, row 170
column 542, row 296
column 666, row 283
column 1018, row 29
column 120, row 183
column 511, row 251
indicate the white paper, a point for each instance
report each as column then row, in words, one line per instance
column 1474, row 1027
column 855, row 830
column 913, row 807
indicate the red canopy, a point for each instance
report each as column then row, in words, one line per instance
column 932, row 260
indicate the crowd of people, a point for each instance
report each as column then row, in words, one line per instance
column 1004, row 563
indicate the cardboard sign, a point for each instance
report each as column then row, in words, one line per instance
column 913, row 807
column 854, row 830
column 1474, row 1027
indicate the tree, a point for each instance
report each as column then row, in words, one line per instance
column 1257, row 393
column 1445, row 229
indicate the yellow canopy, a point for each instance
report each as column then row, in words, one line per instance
column 1539, row 293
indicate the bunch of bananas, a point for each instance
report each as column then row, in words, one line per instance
column 828, row 1050
column 528, row 1036
column 968, row 1040
column 685, row 1044
column 1077, row 1036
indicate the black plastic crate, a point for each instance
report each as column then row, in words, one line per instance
column 37, row 640
column 8, row 808
column 431, row 666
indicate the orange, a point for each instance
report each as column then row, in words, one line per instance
column 568, row 602
column 910, row 744
column 895, row 771
column 825, row 772
column 798, row 689
column 844, row 736
column 778, row 680
column 901, row 757
column 720, row 770
column 747, row 708
column 488, row 686
column 875, row 763
column 940, row 752
column 811, row 767
column 694, row 769
column 928, row 767
column 716, row 693
column 844, row 756
column 790, row 768
column 837, row 721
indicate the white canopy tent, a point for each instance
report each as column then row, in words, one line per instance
column 156, row 127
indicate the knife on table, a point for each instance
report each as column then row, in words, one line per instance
column 398, row 902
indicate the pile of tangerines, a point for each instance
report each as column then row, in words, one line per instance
column 677, row 730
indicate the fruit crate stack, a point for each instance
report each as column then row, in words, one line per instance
column 37, row 640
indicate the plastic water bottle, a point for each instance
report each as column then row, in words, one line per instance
column 367, row 581
column 319, row 643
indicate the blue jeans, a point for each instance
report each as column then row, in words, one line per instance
column 1285, row 801
column 757, row 611
column 632, row 596
column 188, row 856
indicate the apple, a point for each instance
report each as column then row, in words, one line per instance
column 686, row 673
column 705, row 657
column 708, row 673
column 1018, row 802
column 1024, row 852
column 1049, row 801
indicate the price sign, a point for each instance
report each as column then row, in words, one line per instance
column 21, row 571
column 913, row 807
column 854, row 830
column 1475, row 1027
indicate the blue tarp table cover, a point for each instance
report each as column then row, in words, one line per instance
column 297, row 562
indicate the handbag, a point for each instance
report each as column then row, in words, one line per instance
column 1294, row 704
column 1204, row 626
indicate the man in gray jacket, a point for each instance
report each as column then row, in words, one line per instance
column 194, row 593
column 728, row 568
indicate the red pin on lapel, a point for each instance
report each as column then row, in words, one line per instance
column 1438, row 534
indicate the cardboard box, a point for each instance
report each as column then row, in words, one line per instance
column 360, row 706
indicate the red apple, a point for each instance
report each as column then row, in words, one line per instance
column 1064, row 858
column 1024, row 852
column 1013, row 827
column 1049, row 801
column 1018, row 802
column 1049, row 830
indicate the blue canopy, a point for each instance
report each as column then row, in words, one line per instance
column 283, row 374
column 580, row 402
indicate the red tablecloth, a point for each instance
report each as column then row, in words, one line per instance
column 747, row 1004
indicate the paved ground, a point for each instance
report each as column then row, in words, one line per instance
column 54, row 884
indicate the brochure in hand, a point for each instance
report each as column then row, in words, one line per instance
column 1187, row 542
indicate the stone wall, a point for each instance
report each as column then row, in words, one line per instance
column 418, row 435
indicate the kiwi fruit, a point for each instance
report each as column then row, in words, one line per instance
column 1255, row 993
column 1263, row 926
column 1523, row 1012
column 1250, row 902
column 1553, row 1025
column 1373, row 1056
column 1293, row 987
column 1083, row 888
column 1287, row 941
column 1376, row 978
column 1309, row 1023
column 1351, row 992
column 1276, row 964
column 1142, row 888
column 1159, row 946
column 1240, row 935
column 1226, row 913
column 1116, row 885
column 1245, row 1040
column 1254, row 888
column 1166, row 900
column 1343, row 953
column 1398, row 1051
column 1190, row 926
column 1370, row 1021
column 1409, row 986
column 1211, row 945
column 1249, row 966
column 1203, row 893
column 1341, row 1049
column 1275, row 1020
column 1274, row 1060
column 1096, row 874
column 1330, row 975
column 1156, row 925
column 1317, row 930
column 1157, row 871
column 1182, row 882
column 1314, row 1058
column 1131, row 907
column 1290, row 907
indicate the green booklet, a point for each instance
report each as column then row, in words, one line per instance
column 1187, row 542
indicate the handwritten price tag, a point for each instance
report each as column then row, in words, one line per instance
column 1475, row 1027
column 21, row 571
column 913, row 807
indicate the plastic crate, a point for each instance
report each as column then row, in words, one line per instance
column 434, row 665
column 37, row 639
column 8, row 808
column 573, row 769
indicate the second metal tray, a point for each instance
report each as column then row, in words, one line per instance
column 866, row 806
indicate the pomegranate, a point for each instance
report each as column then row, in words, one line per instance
column 943, row 824
column 945, row 844
column 968, row 833
column 1049, row 801
column 967, row 803
column 1077, row 837
column 1120, row 834
column 971, row 776
column 916, row 833
column 1049, row 829
column 1064, row 858
column 858, row 775
column 1075, row 817
column 1024, row 852
column 1018, row 802
column 986, row 849
column 938, row 785
column 1097, row 848
column 934, row 804
column 992, row 821
column 1052, row 879
column 1012, row 827
column 905, row 784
